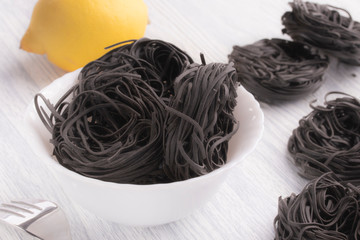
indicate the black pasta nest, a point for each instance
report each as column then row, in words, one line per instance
column 277, row 70
column 324, row 27
column 328, row 140
column 144, row 113
column 325, row 210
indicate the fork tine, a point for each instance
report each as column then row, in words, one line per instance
column 27, row 204
column 40, row 218
column 11, row 216
column 28, row 208
column 8, row 211
column 16, row 207
column 18, row 213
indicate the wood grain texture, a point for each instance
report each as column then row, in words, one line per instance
column 246, row 205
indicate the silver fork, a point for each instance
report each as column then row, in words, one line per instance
column 40, row 218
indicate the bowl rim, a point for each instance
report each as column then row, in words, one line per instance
column 58, row 167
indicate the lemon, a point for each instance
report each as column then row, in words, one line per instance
column 74, row 32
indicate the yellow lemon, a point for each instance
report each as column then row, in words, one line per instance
column 75, row 32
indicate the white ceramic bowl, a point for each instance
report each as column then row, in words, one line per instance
column 144, row 205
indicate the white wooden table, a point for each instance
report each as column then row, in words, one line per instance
column 247, row 203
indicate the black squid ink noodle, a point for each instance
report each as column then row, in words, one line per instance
column 278, row 70
column 197, row 133
column 144, row 113
column 323, row 26
column 325, row 209
column 328, row 140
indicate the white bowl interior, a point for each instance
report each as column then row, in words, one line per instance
column 144, row 204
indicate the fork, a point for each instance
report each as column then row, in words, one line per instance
column 40, row 218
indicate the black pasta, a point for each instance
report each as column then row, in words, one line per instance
column 324, row 210
column 199, row 121
column 278, row 70
column 111, row 131
column 324, row 27
column 121, row 120
column 156, row 61
column 328, row 140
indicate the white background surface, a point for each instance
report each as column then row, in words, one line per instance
column 246, row 205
